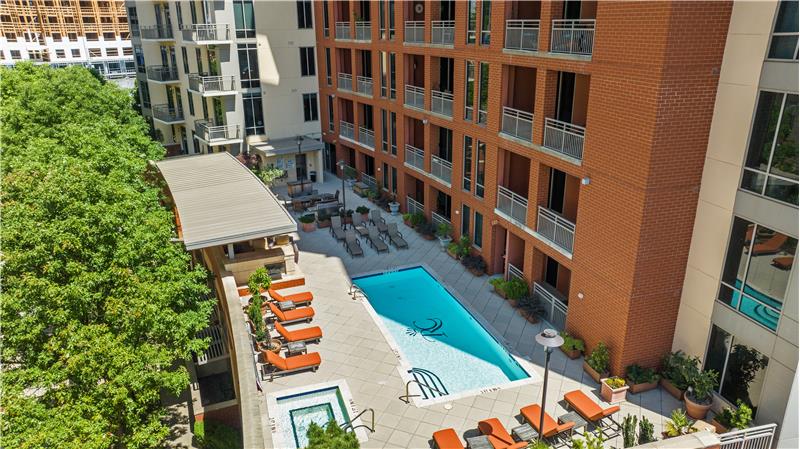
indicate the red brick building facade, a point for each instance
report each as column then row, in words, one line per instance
column 587, row 144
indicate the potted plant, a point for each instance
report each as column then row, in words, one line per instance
column 646, row 431
column 475, row 264
column 498, row 283
column 676, row 370
column 394, row 206
column 733, row 419
column 698, row 397
column 443, row 234
column 323, row 220
column 364, row 211
column 515, row 288
column 641, row 379
column 407, row 219
column 613, row 389
column 572, row 347
column 417, row 219
column 307, row 221
column 596, row 365
column 678, row 424
column 530, row 308
column 258, row 281
column 427, row 230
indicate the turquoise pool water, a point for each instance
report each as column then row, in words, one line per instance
column 442, row 342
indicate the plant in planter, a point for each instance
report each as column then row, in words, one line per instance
column 641, row 379
column 427, row 230
column 572, row 347
column 394, row 206
column 417, row 219
column 531, row 308
column 629, row 430
column 588, row 441
column 596, row 365
column 443, row 234
column 371, row 194
column 498, row 283
column 364, row 211
column 515, row 289
column 730, row 418
column 452, row 250
column 407, row 219
column 613, row 389
column 678, row 424
column 323, row 220
column 697, row 398
column 475, row 264
column 677, row 369
column 307, row 221
column 646, row 431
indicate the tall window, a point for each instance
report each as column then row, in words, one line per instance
column 392, row 76
column 198, row 56
column 757, row 272
column 486, row 21
column 472, row 20
column 483, row 100
column 382, row 17
column 304, row 15
column 253, row 113
column 477, row 237
column 185, row 58
column 394, row 133
column 467, row 183
column 243, row 17
column 179, row 12
column 741, row 368
column 384, row 131
column 394, row 180
column 191, row 102
column 144, row 90
column 138, row 54
column 784, row 35
column 307, row 66
column 480, row 168
column 310, row 113
column 382, row 60
column 391, row 19
column 326, row 29
column 328, row 69
column 330, row 114
column 133, row 21
column 469, row 96
column 248, row 65
column 465, row 213
column 771, row 165
column 385, row 175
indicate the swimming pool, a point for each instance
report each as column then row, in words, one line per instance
column 437, row 339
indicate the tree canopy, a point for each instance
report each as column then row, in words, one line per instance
column 100, row 307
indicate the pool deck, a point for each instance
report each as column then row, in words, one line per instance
column 354, row 349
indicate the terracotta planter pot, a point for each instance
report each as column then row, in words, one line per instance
column 594, row 374
column 676, row 392
column 308, row 227
column 452, row 254
column 572, row 353
column 365, row 217
column 499, row 292
column 477, row 273
column 513, row 303
column 428, row 237
column 638, row 388
column 612, row 395
column 719, row 427
column 323, row 224
column 694, row 409
column 348, row 220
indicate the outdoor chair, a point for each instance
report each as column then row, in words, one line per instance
column 395, row 236
column 498, row 435
column 292, row 316
column 359, row 225
column 352, row 244
column 336, row 227
column 307, row 334
column 447, row 439
column 590, row 411
column 297, row 298
column 376, row 242
column 552, row 429
column 291, row 364
column 376, row 219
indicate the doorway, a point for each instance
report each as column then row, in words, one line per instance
column 300, row 166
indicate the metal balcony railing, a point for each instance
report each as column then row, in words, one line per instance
column 364, row 85
column 212, row 84
column 439, row 219
column 342, row 30
column 162, row 73
column 522, row 35
column 564, row 137
column 415, row 157
column 575, row 37
column 369, row 180
column 345, row 81
column 443, row 32
column 555, row 228
column 513, row 272
column 513, row 205
column 441, row 169
column 414, row 206
column 156, row 32
column 554, row 304
column 211, row 133
column 347, row 130
column 414, row 32
column 759, row 437
column 442, row 103
column 518, row 123
column 363, row 31
column 167, row 114
column 415, row 97
column 207, row 32
column 366, row 137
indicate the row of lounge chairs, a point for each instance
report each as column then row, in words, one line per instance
column 371, row 233
column 552, row 431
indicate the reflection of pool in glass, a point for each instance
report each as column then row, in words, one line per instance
column 756, row 305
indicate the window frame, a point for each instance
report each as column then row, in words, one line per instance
column 305, row 15
column 308, row 66
column 310, row 106
column 253, row 97
column 477, row 237
column 466, row 155
column 774, row 33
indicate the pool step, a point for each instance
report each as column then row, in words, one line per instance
column 430, row 384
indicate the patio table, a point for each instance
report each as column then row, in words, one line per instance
column 295, row 348
column 479, row 442
column 286, row 305
column 525, row 432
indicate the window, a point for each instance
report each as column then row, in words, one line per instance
column 91, row 37
column 60, row 53
column 95, row 53
column 307, row 67
column 304, row 16
column 193, row 12
column 244, row 19
column 382, row 17
column 483, row 101
column 784, row 35
column 112, row 52
column 741, row 368
column 467, row 184
column 326, row 29
column 198, row 57
column 248, row 65
column 384, row 131
column 15, row 54
column 185, row 58
column 138, row 56
column 144, row 90
column 392, row 77
column 328, row 69
column 465, row 213
column 469, row 96
column 771, row 164
column 394, row 180
column 179, row 12
column 191, row 102
column 391, row 19
column 382, row 55
column 486, row 21
column 477, row 237
column 757, row 272
column 472, row 20
column 2, row 54
column 480, row 167
column 253, row 114
column 127, row 51
column 72, row 37
column 394, row 133
column 57, row 36
column 385, row 175
column 330, row 114
column 310, row 113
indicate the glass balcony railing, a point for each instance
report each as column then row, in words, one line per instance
column 415, row 157
column 512, row 204
column 414, row 32
column 415, row 97
column 442, row 103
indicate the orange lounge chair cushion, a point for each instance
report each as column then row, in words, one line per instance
column 296, row 297
column 498, row 435
column 309, row 333
column 294, row 362
column 587, row 407
column 292, row 315
column 532, row 414
column 447, row 439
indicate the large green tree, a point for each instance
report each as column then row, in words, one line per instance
column 99, row 305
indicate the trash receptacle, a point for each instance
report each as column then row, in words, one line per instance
column 313, row 175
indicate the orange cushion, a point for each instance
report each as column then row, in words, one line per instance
column 447, row 439
column 533, row 414
column 292, row 315
column 498, row 435
column 587, row 407
column 302, row 361
column 309, row 333
column 295, row 297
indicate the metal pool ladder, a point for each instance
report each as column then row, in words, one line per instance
column 355, row 289
column 426, row 380
column 349, row 424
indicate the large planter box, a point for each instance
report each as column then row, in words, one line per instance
column 571, row 353
column 676, row 392
column 323, row 224
column 477, row 273
column 594, row 374
column 612, row 395
column 452, row 254
column 719, row 427
column 308, row 227
column 639, row 388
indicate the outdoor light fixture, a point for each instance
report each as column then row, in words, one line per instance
column 341, row 165
column 549, row 339
column 586, row 180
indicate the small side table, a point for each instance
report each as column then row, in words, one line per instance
column 580, row 423
column 286, row 305
column 479, row 442
column 525, row 432
column 295, row 348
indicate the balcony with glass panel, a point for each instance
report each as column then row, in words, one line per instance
column 364, row 74
column 156, row 33
column 442, row 92
column 442, row 154
column 342, row 31
column 415, row 144
column 162, row 74
column 415, row 81
column 207, row 33
column 443, row 32
column 212, row 85
column 555, row 219
column 213, row 135
column 517, row 112
column 345, row 82
column 572, row 36
column 363, row 30
column 166, row 114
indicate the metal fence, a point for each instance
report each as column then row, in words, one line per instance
column 342, row 30
column 364, row 85
column 205, row 32
column 363, row 31
column 441, row 169
column 759, row 437
column 156, row 32
column 564, row 137
column 575, row 37
column 522, row 35
column 368, row 180
column 442, row 103
column 366, row 137
column 162, row 73
column 345, row 81
column 555, row 307
column 207, row 84
column 211, row 133
column 415, row 32
column 415, row 157
column 347, row 130
column 168, row 114
column 556, row 228
column 514, row 272
column 413, row 206
column 518, row 123
column 415, row 97
column 443, row 32
column 513, row 205
column 438, row 219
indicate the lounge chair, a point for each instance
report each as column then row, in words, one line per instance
column 358, row 225
column 771, row 246
column 589, row 410
column 376, row 219
column 376, row 242
column 552, row 429
column 297, row 298
column 292, row 316
column 291, row 364
column 446, row 439
column 498, row 435
column 395, row 236
column 784, row 262
column 307, row 334
column 352, row 244
column 336, row 227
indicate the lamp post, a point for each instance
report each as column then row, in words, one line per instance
column 341, row 165
column 549, row 339
column 299, row 158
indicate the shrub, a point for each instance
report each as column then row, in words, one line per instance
column 679, row 369
column 599, row 358
column 615, row 382
column 332, row 437
column 473, row 263
column 417, row 219
column 679, row 424
column 362, row 209
column 498, row 283
column 443, row 230
column 428, row 229
column 308, row 218
column 453, row 248
column 646, row 431
column 629, row 430
column 532, row 305
column 214, row 435
column 738, row 418
column 259, row 280
column 407, row 217
column 589, row 441
column 702, row 384
column 515, row 288
column 638, row 375
column 538, row 444
column 464, row 244
column 571, row 343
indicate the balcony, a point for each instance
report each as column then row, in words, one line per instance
column 574, row 37
column 415, row 97
column 564, row 138
column 370, row 181
column 207, row 33
column 166, row 114
column 363, row 31
column 443, row 32
column 513, row 272
column 414, row 32
column 156, row 33
column 366, row 137
column 415, row 157
column 347, row 130
column 522, row 35
column 414, row 207
column 162, row 74
column 364, row 85
column 441, row 169
column 517, row 124
column 439, row 219
column 212, row 86
column 342, row 30
column 442, row 103
column 556, row 229
column 512, row 205
column 217, row 135
column 554, row 304
column 345, row 82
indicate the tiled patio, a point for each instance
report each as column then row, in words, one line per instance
column 354, row 349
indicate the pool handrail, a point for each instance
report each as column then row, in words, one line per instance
column 349, row 424
column 405, row 398
column 356, row 289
